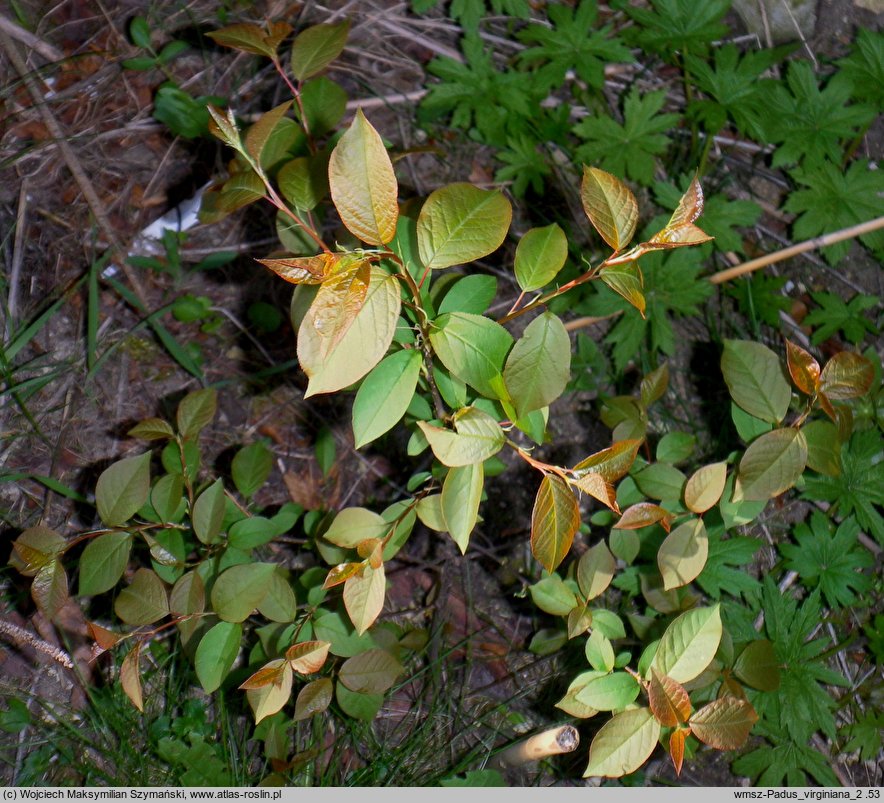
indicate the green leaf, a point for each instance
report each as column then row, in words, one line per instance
column 823, row 447
column 595, row 570
column 152, row 429
column 599, row 652
column 314, row 698
column 208, row 512
column 689, row 644
column 460, row 223
column 472, row 294
column 623, row 744
column 139, row 32
column 251, row 38
column 755, row 380
column 837, row 316
column 167, row 498
column 475, row 778
column 478, row 436
column 317, row 47
column 554, row 522
column 260, row 132
column 610, row 206
column 251, row 467
column 539, row 366
column 144, row 601
column 122, row 488
column 353, row 525
column 385, row 394
column 609, row 692
column 324, row 103
column 216, row 653
column 660, row 481
column 461, row 495
column 364, row 597
column 49, row 589
column 304, row 181
column 370, row 672
column 240, row 589
column 864, row 67
column 540, row 255
column 15, row 718
column 771, row 465
column 832, row 561
column 363, row 184
column 331, row 626
column 757, row 665
column 251, row 532
column 358, row 705
column 196, row 411
column 472, row 347
column 674, row 27
column 683, row 554
column 103, row 562
column 551, row 595
column 362, row 346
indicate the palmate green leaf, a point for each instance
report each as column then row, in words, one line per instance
column 851, row 318
column 572, row 40
column 721, row 574
column 785, row 763
column 122, row 489
column 629, row 149
column 832, row 561
column 755, row 379
column 362, row 346
column 864, row 67
column 363, row 184
column 676, row 27
column 539, row 365
column 771, row 465
column 317, row 47
column 384, row 395
column 554, row 522
column 471, row 347
column 831, row 199
column 103, row 562
column 525, row 165
column 623, row 744
column 459, row 504
column 540, row 255
column 460, row 223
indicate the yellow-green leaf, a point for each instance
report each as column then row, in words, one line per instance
column 612, row 463
column 460, row 223
column 461, row 494
column 316, row 47
column 477, row 438
column 385, row 394
column 689, row 644
column 240, row 589
column 623, row 744
column 683, row 554
column 627, row 281
column 705, row 486
column 610, row 206
column 260, row 131
column 267, row 700
column 364, row 597
column 540, row 255
column 122, row 488
column 755, row 379
column 251, row 38
column 772, row 464
column 554, row 522
column 363, row 184
column 595, row 570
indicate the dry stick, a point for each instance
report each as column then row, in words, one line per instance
column 552, row 742
column 35, row 43
column 17, row 259
column 70, row 158
column 800, row 248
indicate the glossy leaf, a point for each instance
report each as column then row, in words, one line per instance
column 144, row 601
column 554, row 522
column 363, row 184
column 371, row 672
column 477, row 438
column 755, row 380
column 240, row 589
column 609, row 692
column 316, row 47
column 724, row 723
column 103, row 562
column 459, row 503
column 385, row 394
column 540, row 255
column 539, row 366
column 642, row 514
column 460, row 223
column 130, row 677
column 352, row 525
column 623, row 744
column 772, row 464
column 689, row 644
column 683, row 554
column 705, row 486
column 122, row 488
column 472, row 347
column 610, row 207
column 314, row 698
column 669, row 700
column 612, row 463
column 595, row 570
column 803, row 368
column 626, row 280
column 308, row 657
column 846, row 376
column 364, row 597
column 216, row 653
column 361, row 348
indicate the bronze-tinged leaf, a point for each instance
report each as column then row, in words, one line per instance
column 803, row 368
column 676, row 748
column 669, row 701
column 654, row 385
column 643, row 514
column 579, row 620
column 265, row 676
column 337, row 304
column 303, row 270
column 104, row 638
column 50, row 589
column 724, row 723
column 314, row 698
column 612, row 463
column 554, row 522
column 704, row 487
column 846, row 376
column 251, row 38
column 598, row 488
column 690, row 207
column 308, row 656
column 341, row 573
column 130, row 677
column 758, row 666
column 626, row 280
column 261, row 130
column 610, row 206
column 679, row 236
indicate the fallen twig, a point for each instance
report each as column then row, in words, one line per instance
column 552, row 742
column 35, row 43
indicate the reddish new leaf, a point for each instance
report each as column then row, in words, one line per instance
column 803, row 368
column 130, row 677
column 724, row 723
column 676, row 748
column 643, row 514
column 303, row 270
column 846, row 376
column 668, row 699
column 554, row 522
column 612, row 463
